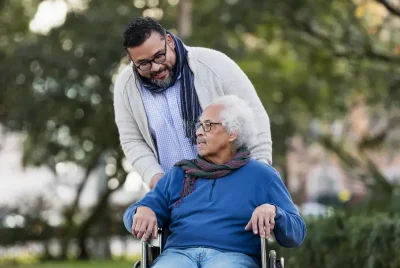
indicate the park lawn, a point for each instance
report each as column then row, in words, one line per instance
column 76, row 264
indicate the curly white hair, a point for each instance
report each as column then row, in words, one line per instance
column 237, row 116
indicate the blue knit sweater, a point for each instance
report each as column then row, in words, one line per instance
column 217, row 211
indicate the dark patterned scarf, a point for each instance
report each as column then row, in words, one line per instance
column 190, row 105
column 201, row 168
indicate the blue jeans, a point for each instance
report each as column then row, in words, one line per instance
column 202, row 258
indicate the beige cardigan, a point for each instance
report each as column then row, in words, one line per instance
column 215, row 74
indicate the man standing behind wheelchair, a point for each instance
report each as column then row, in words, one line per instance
column 219, row 204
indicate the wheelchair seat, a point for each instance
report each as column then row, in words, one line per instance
column 153, row 247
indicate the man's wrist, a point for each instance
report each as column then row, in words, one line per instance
column 154, row 180
column 160, row 174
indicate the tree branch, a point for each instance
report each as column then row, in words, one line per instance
column 349, row 160
column 81, row 186
column 392, row 9
column 378, row 175
column 353, row 162
column 347, row 51
column 367, row 52
column 71, row 210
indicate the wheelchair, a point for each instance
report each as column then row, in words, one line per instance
column 153, row 247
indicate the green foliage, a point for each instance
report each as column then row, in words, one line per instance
column 307, row 59
column 345, row 240
column 77, row 264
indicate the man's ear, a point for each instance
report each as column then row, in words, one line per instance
column 170, row 41
column 233, row 136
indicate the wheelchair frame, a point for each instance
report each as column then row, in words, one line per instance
column 153, row 247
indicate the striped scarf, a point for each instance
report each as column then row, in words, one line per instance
column 201, row 168
column 190, row 105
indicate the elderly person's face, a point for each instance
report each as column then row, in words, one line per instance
column 213, row 142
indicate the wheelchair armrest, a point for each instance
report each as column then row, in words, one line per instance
column 269, row 260
column 146, row 260
column 155, row 242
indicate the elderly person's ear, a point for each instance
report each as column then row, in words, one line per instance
column 233, row 136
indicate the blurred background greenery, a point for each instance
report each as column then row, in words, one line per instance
column 327, row 72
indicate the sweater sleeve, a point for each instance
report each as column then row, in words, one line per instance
column 235, row 81
column 136, row 150
column 157, row 200
column 290, row 228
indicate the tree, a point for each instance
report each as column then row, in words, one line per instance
column 307, row 59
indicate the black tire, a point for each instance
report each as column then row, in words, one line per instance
column 137, row 265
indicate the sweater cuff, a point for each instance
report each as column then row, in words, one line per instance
column 150, row 172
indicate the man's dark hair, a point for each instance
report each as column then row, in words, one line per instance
column 139, row 30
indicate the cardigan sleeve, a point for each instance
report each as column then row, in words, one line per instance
column 136, row 150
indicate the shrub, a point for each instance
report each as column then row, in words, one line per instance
column 343, row 240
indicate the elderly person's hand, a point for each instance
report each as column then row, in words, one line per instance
column 263, row 220
column 144, row 223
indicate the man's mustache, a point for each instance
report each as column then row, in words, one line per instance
column 201, row 140
column 159, row 71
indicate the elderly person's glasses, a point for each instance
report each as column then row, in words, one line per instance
column 159, row 59
column 206, row 125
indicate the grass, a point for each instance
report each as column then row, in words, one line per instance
column 74, row 264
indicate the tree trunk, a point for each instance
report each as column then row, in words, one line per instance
column 185, row 19
column 67, row 231
column 83, row 231
column 83, row 253
column 99, row 211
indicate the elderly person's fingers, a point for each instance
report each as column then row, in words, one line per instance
column 261, row 229
column 142, row 229
column 267, row 230
column 248, row 226
column 269, row 223
column 155, row 230
column 144, row 221
column 254, row 221
column 252, row 224
column 149, row 229
column 262, row 221
column 135, row 226
column 272, row 223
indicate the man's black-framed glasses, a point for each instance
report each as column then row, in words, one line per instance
column 206, row 125
column 159, row 59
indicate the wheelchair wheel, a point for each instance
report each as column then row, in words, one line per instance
column 137, row 265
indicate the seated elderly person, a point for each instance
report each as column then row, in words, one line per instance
column 220, row 203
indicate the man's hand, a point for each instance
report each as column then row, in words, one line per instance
column 144, row 223
column 155, row 179
column 263, row 220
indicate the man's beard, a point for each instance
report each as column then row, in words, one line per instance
column 164, row 83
